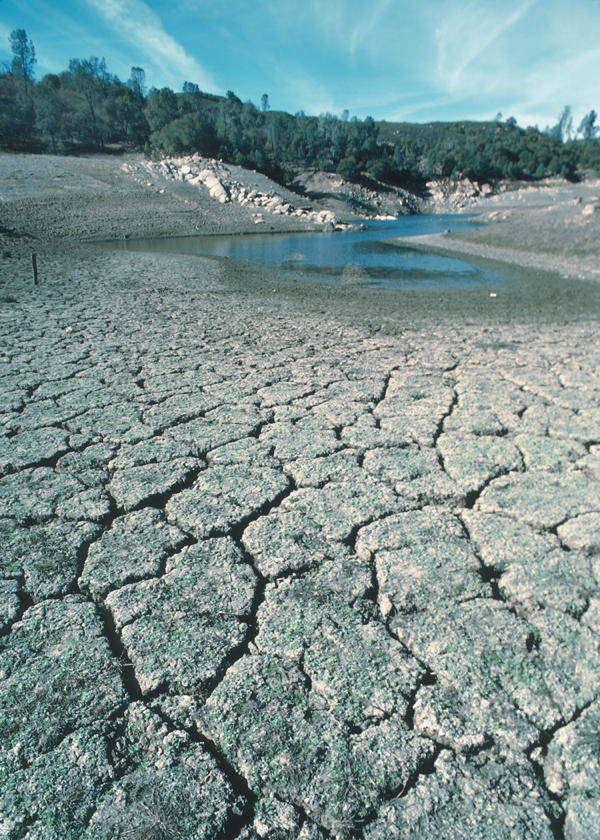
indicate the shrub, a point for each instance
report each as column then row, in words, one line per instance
column 348, row 168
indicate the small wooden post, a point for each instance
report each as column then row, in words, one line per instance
column 35, row 271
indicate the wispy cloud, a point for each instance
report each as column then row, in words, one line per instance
column 327, row 22
column 310, row 94
column 432, row 59
column 4, row 36
column 134, row 21
column 467, row 33
column 365, row 28
column 428, row 109
column 545, row 94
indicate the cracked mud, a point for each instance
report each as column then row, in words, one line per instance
column 265, row 574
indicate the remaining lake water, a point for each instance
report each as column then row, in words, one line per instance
column 365, row 257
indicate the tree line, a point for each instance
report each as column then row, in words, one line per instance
column 86, row 108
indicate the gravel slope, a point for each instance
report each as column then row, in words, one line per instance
column 45, row 198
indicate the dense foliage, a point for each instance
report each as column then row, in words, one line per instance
column 482, row 151
column 87, row 108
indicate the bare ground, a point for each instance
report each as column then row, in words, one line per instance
column 287, row 563
column 555, row 227
column 48, row 198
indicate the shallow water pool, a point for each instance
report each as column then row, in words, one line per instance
column 364, row 257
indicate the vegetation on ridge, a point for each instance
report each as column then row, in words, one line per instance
column 86, row 108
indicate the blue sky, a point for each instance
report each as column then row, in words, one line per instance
column 415, row 60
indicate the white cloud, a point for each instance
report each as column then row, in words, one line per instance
column 468, row 32
column 134, row 21
column 424, row 111
column 4, row 38
column 433, row 59
column 546, row 93
column 526, row 59
column 366, row 27
column 341, row 26
column 309, row 93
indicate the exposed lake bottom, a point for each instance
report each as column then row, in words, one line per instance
column 287, row 567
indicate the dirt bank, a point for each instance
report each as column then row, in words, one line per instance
column 47, row 198
column 554, row 227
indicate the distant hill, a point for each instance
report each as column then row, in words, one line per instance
column 86, row 108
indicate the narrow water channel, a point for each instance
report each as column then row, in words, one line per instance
column 364, row 257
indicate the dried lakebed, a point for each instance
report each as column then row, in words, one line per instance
column 270, row 572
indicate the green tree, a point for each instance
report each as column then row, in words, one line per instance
column 564, row 127
column 23, row 60
column 20, row 103
column 190, row 133
column 229, row 127
column 49, row 110
column 11, row 128
column 161, row 108
column 137, row 81
column 125, row 112
column 190, row 100
column 380, row 170
column 90, row 85
column 587, row 128
column 348, row 169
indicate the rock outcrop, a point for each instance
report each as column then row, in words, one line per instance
column 223, row 185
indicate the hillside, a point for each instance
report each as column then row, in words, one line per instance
column 87, row 109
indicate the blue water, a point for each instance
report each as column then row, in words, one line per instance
column 358, row 258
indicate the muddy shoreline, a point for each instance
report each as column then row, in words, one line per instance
column 553, row 228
